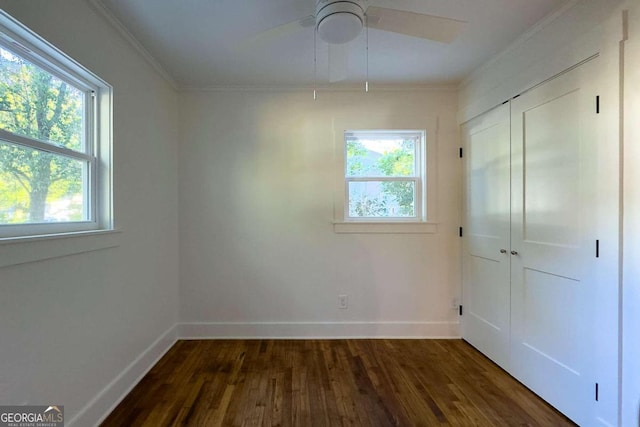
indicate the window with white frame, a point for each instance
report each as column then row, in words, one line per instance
column 54, row 139
column 385, row 175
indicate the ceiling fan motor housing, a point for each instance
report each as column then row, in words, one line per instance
column 339, row 21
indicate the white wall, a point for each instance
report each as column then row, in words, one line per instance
column 631, row 253
column 69, row 326
column 256, row 238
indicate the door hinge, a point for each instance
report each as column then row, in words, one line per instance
column 460, row 231
column 598, row 104
column 597, row 392
column 597, row 248
column 461, row 152
column 460, row 309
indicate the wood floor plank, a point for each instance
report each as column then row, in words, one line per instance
column 330, row 383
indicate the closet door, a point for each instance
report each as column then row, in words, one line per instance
column 552, row 246
column 486, row 293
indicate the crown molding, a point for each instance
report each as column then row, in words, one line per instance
column 133, row 41
column 535, row 29
column 373, row 88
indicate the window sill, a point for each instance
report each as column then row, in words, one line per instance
column 21, row 250
column 385, row 227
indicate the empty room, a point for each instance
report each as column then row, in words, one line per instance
column 320, row 212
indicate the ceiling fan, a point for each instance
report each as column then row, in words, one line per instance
column 337, row 22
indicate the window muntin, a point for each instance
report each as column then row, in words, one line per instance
column 384, row 175
column 55, row 139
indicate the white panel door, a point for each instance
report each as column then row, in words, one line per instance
column 552, row 243
column 486, row 293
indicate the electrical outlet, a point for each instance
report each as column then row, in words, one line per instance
column 343, row 302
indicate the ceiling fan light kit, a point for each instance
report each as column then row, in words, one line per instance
column 339, row 21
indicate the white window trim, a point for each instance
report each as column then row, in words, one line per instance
column 59, row 64
column 427, row 222
column 22, row 250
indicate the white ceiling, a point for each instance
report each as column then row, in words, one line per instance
column 199, row 42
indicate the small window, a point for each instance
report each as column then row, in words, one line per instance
column 384, row 175
column 54, row 174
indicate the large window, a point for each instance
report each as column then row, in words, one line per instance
column 384, row 175
column 54, row 154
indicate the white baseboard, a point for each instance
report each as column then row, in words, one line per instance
column 105, row 402
column 319, row 330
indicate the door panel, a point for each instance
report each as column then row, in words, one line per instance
column 546, row 299
column 486, row 292
column 551, row 224
column 552, row 171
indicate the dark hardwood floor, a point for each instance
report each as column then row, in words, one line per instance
column 330, row 382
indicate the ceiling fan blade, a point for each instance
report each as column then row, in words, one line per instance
column 338, row 62
column 277, row 32
column 429, row 27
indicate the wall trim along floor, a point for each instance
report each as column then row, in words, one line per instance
column 319, row 330
column 105, row 401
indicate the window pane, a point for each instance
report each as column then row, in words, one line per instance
column 38, row 187
column 36, row 104
column 372, row 157
column 382, row 199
